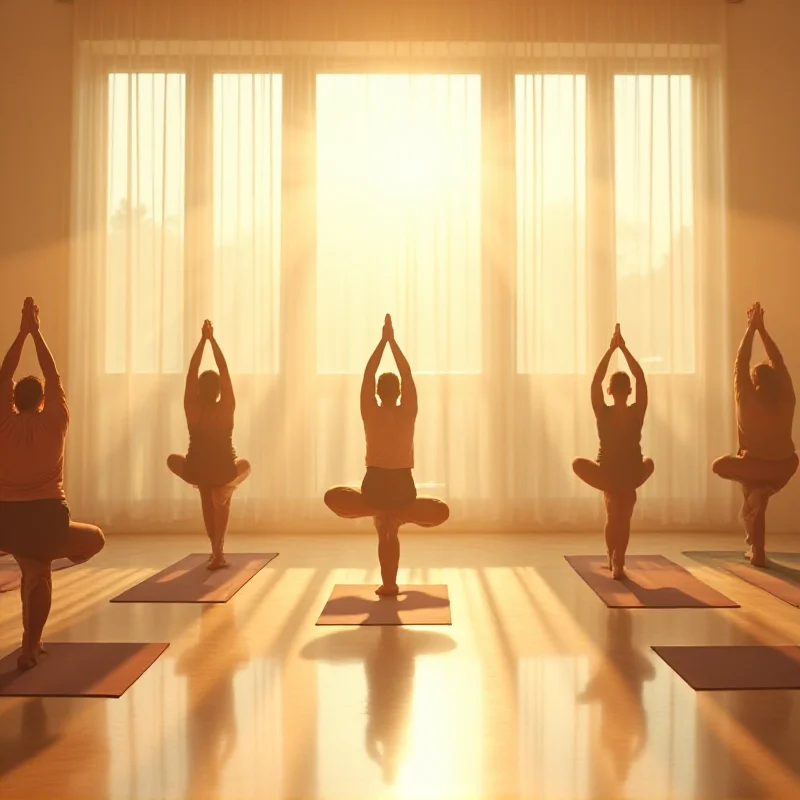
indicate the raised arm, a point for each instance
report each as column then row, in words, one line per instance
column 408, row 389
column 190, row 392
column 370, row 372
column 225, row 384
column 10, row 364
column 638, row 374
column 773, row 353
column 598, row 403
column 741, row 366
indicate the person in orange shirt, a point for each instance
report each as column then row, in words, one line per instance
column 35, row 524
column 211, row 463
column 388, row 493
column 620, row 468
column 766, row 460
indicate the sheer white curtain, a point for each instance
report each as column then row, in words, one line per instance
column 507, row 179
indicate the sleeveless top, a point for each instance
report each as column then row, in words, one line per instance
column 620, row 435
column 211, row 458
column 390, row 436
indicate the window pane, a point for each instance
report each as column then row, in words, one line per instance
column 398, row 219
column 655, row 219
column 551, row 223
column 247, row 219
column 144, row 277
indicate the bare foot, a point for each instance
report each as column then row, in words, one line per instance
column 217, row 562
column 757, row 559
column 610, row 561
column 618, row 573
column 28, row 658
column 387, row 591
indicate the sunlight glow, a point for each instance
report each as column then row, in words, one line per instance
column 398, row 219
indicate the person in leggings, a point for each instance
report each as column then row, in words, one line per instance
column 211, row 463
column 766, row 460
column 35, row 524
column 619, row 469
column 388, row 493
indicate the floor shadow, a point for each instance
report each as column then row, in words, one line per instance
column 384, row 610
column 388, row 655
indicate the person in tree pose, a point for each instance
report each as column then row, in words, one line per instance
column 620, row 468
column 766, row 460
column 388, row 493
column 211, row 463
column 35, row 524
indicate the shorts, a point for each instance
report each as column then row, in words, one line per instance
column 388, row 489
column 33, row 528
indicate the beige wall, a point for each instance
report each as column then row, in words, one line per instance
column 763, row 106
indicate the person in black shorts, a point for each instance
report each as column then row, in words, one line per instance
column 35, row 524
column 388, row 493
column 619, row 469
column 211, row 463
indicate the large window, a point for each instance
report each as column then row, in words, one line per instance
column 655, row 217
column 551, row 223
column 398, row 219
column 247, row 219
column 145, row 223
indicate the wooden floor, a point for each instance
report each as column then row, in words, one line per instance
column 535, row 691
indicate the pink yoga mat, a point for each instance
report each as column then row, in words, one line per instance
column 651, row 582
column 189, row 581
column 359, row 605
column 781, row 578
column 78, row 669
column 11, row 577
column 735, row 668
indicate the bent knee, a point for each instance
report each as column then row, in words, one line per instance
column 175, row 463
column 243, row 466
column 441, row 513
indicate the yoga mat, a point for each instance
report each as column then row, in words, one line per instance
column 359, row 605
column 11, row 576
column 735, row 668
column 781, row 579
column 72, row 669
column 189, row 581
column 651, row 582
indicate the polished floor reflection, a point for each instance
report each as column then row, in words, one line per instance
column 535, row 691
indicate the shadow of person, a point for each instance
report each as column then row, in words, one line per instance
column 383, row 610
column 617, row 686
column 210, row 666
column 388, row 654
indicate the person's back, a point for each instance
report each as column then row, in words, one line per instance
column 619, row 430
column 211, row 431
column 765, row 421
column 32, row 443
column 389, row 433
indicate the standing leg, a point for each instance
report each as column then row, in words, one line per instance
column 221, row 500
column 609, row 531
column 207, row 502
column 627, row 502
column 387, row 526
column 36, row 592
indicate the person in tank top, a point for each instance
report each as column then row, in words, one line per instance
column 210, row 463
column 388, row 493
column 619, row 469
column 766, row 459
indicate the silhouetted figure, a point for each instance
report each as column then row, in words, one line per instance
column 617, row 686
column 620, row 469
column 766, row 460
column 211, row 464
column 388, row 493
column 35, row 524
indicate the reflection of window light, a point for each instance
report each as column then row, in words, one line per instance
column 398, row 219
column 551, row 223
